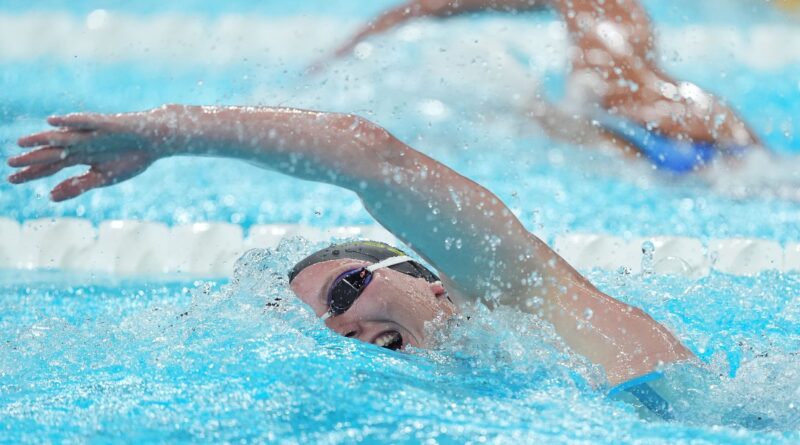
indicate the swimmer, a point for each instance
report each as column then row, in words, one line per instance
column 616, row 92
column 371, row 291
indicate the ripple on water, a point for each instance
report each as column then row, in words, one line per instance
column 148, row 361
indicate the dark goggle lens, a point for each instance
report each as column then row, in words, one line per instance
column 346, row 289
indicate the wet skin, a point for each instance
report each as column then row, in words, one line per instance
column 392, row 302
column 497, row 253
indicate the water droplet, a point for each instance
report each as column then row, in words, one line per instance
column 448, row 243
column 648, row 249
column 97, row 19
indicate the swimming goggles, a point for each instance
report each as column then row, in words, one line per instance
column 348, row 286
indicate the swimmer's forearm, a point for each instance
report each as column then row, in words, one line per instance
column 432, row 8
column 452, row 7
column 447, row 8
column 325, row 147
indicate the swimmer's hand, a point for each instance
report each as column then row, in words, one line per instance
column 116, row 147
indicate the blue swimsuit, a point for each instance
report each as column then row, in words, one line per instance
column 665, row 153
column 643, row 392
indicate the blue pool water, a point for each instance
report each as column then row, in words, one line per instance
column 548, row 190
column 152, row 361
column 96, row 359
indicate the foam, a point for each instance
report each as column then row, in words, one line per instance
column 209, row 250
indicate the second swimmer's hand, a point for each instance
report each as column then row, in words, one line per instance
column 116, row 147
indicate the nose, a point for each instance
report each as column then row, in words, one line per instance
column 344, row 326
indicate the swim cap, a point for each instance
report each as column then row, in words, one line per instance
column 372, row 251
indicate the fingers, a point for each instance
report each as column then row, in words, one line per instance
column 39, row 171
column 76, row 185
column 42, row 155
column 84, row 121
column 62, row 138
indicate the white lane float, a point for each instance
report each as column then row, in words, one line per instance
column 745, row 256
column 54, row 243
column 183, row 38
column 9, row 243
column 209, row 250
column 129, row 247
column 791, row 257
column 205, row 249
column 588, row 251
column 677, row 255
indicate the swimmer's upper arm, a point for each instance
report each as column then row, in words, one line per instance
column 460, row 227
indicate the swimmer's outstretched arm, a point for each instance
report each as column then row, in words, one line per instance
column 426, row 8
column 461, row 228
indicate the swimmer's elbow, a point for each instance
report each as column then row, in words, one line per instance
column 368, row 141
column 361, row 128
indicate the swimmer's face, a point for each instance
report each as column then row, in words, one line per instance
column 392, row 310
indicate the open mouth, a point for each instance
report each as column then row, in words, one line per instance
column 390, row 340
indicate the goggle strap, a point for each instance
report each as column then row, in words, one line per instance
column 389, row 262
column 326, row 316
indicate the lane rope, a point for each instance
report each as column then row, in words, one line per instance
column 185, row 38
column 209, row 250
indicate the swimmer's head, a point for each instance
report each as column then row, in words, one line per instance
column 392, row 302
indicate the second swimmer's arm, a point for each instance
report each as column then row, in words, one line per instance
column 429, row 8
